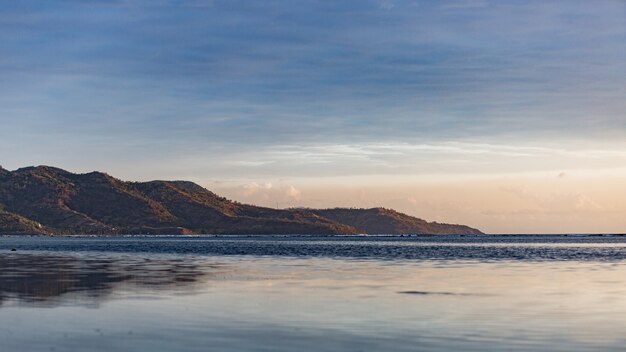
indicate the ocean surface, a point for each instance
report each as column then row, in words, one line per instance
column 277, row 293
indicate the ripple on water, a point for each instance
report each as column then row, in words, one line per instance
column 286, row 294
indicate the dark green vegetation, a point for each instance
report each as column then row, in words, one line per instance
column 47, row 200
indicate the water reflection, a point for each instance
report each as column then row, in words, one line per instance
column 164, row 302
column 522, row 248
column 46, row 279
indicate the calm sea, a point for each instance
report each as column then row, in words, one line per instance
column 447, row 293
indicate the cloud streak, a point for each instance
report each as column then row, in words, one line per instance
column 280, row 91
column 317, row 72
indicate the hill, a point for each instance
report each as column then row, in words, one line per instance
column 389, row 221
column 49, row 200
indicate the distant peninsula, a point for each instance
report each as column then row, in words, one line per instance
column 51, row 201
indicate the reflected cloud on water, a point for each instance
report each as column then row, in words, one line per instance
column 156, row 300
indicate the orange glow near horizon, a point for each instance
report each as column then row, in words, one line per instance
column 561, row 204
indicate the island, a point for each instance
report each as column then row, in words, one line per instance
column 50, row 201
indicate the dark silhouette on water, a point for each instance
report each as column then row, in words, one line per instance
column 46, row 279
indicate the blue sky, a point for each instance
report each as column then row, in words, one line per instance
column 262, row 90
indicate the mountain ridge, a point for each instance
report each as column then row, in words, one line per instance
column 49, row 200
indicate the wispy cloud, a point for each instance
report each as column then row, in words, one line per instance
column 465, row 4
column 386, row 4
column 314, row 89
column 281, row 72
column 293, row 193
column 462, row 159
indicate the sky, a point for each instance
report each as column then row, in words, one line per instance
column 509, row 116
